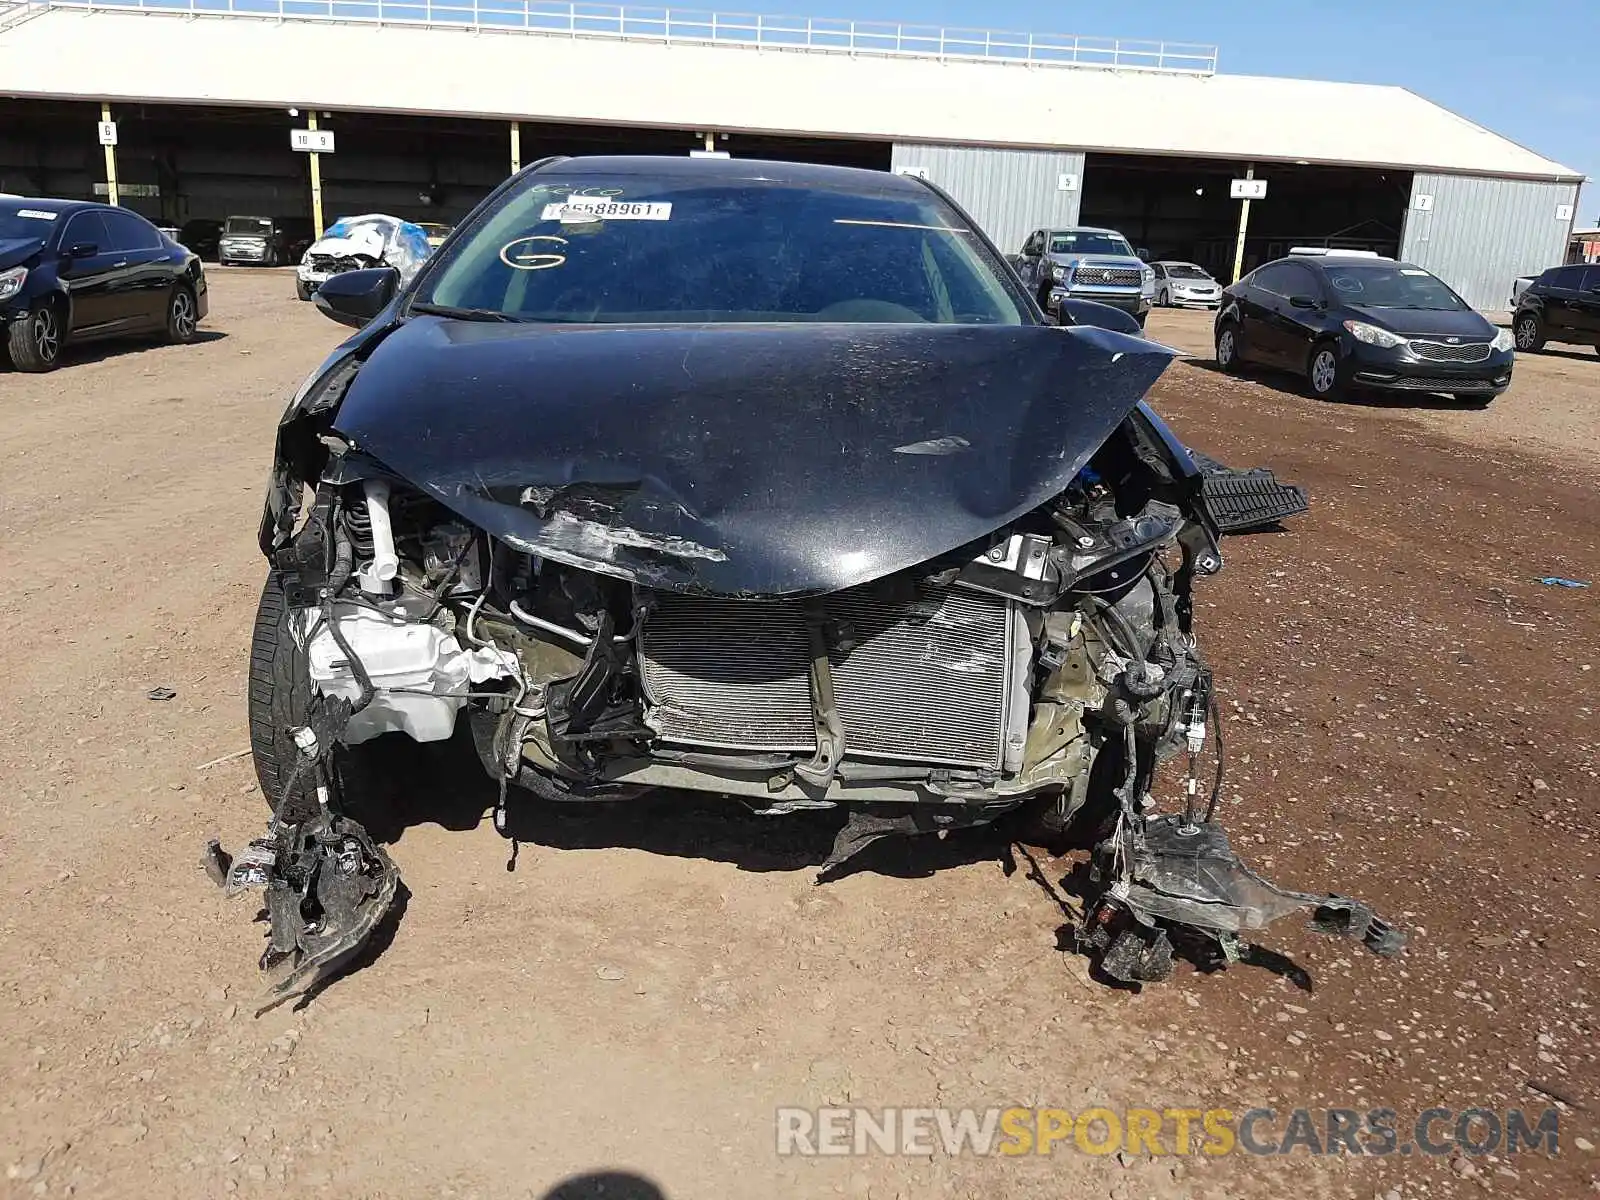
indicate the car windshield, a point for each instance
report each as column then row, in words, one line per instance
column 20, row 221
column 1186, row 271
column 251, row 225
column 1391, row 285
column 1086, row 241
column 632, row 249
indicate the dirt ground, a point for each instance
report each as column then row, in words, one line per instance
column 1410, row 718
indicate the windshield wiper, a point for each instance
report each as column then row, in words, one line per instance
column 463, row 314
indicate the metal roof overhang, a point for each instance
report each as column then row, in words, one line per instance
column 516, row 74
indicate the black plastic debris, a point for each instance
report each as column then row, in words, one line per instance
column 161, row 693
column 1240, row 501
column 1244, row 499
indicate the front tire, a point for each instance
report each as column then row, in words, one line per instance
column 1322, row 372
column 279, row 700
column 35, row 341
column 1228, row 348
column 1528, row 331
column 302, row 290
column 183, row 316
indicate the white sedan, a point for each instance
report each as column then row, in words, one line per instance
column 1185, row 284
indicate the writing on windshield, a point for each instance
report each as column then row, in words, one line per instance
column 1393, row 287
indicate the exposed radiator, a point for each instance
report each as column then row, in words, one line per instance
column 926, row 680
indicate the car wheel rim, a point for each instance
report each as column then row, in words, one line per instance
column 45, row 338
column 183, row 314
column 1225, row 347
column 1322, row 371
column 1525, row 332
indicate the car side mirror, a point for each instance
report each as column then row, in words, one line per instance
column 1144, row 253
column 1304, row 302
column 82, row 250
column 355, row 297
column 1102, row 316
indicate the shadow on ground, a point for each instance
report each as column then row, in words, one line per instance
column 76, row 354
column 605, row 1185
column 1292, row 385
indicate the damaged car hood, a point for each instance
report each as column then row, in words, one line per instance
column 742, row 460
column 18, row 250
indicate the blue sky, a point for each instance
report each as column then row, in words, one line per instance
column 1529, row 70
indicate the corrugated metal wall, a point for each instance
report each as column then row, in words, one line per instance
column 1479, row 234
column 1009, row 193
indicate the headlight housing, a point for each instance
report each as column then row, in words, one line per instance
column 11, row 282
column 1148, row 274
column 1372, row 335
column 1504, row 340
column 1058, row 272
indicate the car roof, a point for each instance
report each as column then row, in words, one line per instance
column 1343, row 262
column 731, row 170
column 1177, row 262
column 1085, row 229
column 56, row 206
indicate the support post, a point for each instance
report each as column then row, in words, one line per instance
column 711, row 140
column 1244, row 224
column 111, row 162
column 316, row 181
column 516, row 146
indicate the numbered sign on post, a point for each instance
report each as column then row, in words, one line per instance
column 108, row 133
column 311, row 141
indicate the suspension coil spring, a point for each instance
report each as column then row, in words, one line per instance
column 358, row 527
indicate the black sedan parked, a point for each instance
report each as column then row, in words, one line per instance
column 1346, row 323
column 73, row 271
column 1562, row 305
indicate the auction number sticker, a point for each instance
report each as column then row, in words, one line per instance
column 38, row 214
column 595, row 208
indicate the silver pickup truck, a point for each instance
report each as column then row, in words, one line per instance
column 1084, row 263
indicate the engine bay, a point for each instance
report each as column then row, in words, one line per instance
column 1048, row 668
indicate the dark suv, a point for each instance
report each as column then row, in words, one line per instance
column 1562, row 305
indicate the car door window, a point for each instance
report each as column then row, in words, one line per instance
column 1030, row 248
column 129, row 233
column 1273, row 278
column 86, row 227
column 1300, row 281
column 1590, row 283
column 1563, row 278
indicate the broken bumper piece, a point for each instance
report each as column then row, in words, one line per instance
column 1167, row 876
column 326, row 887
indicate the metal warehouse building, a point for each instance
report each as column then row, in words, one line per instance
column 431, row 102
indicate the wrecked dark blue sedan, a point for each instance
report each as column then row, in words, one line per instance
column 753, row 479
